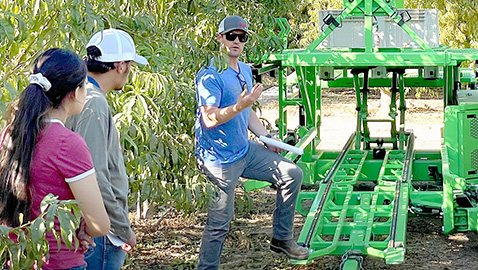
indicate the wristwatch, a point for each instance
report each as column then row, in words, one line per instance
column 268, row 135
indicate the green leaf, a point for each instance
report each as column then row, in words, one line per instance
column 7, row 29
column 145, row 190
column 11, row 90
column 67, row 226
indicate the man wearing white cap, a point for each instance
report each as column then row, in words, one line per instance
column 110, row 54
column 224, row 153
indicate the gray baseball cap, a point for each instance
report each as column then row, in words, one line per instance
column 231, row 23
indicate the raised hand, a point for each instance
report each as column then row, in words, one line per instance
column 247, row 99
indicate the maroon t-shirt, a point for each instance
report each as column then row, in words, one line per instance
column 60, row 156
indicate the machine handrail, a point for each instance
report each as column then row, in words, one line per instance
column 405, row 176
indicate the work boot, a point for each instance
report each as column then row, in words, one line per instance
column 289, row 248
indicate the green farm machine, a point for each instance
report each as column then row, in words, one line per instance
column 359, row 197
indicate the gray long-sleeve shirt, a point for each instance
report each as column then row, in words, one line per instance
column 95, row 123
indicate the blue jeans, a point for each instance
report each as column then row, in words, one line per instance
column 259, row 164
column 105, row 256
column 81, row 267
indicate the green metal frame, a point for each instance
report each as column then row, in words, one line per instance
column 359, row 201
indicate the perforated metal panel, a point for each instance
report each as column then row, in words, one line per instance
column 474, row 128
column 474, row 159
column 461, row 137
column 470, row 145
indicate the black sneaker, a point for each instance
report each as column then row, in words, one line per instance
column 289, row 248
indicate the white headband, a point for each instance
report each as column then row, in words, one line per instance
column 42, row 81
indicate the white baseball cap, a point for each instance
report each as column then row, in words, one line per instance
column 115, row 46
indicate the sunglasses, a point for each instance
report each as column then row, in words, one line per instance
column 232, row 36
column 242, row 81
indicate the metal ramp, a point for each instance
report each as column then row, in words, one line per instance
column 346, row 220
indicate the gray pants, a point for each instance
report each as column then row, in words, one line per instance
column 260, row 164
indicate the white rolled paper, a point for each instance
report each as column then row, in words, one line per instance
column 115, row 240
column 281, row 145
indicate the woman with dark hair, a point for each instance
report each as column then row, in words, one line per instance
column 40, row 156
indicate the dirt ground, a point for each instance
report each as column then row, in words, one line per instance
column 170, row 241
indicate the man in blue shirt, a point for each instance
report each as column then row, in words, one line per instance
column 224, row 152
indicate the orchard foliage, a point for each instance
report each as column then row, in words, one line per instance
column 155, row 112
column 457, row 19
column 25, row 245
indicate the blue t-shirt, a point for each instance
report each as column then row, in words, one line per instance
column 228, row 142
